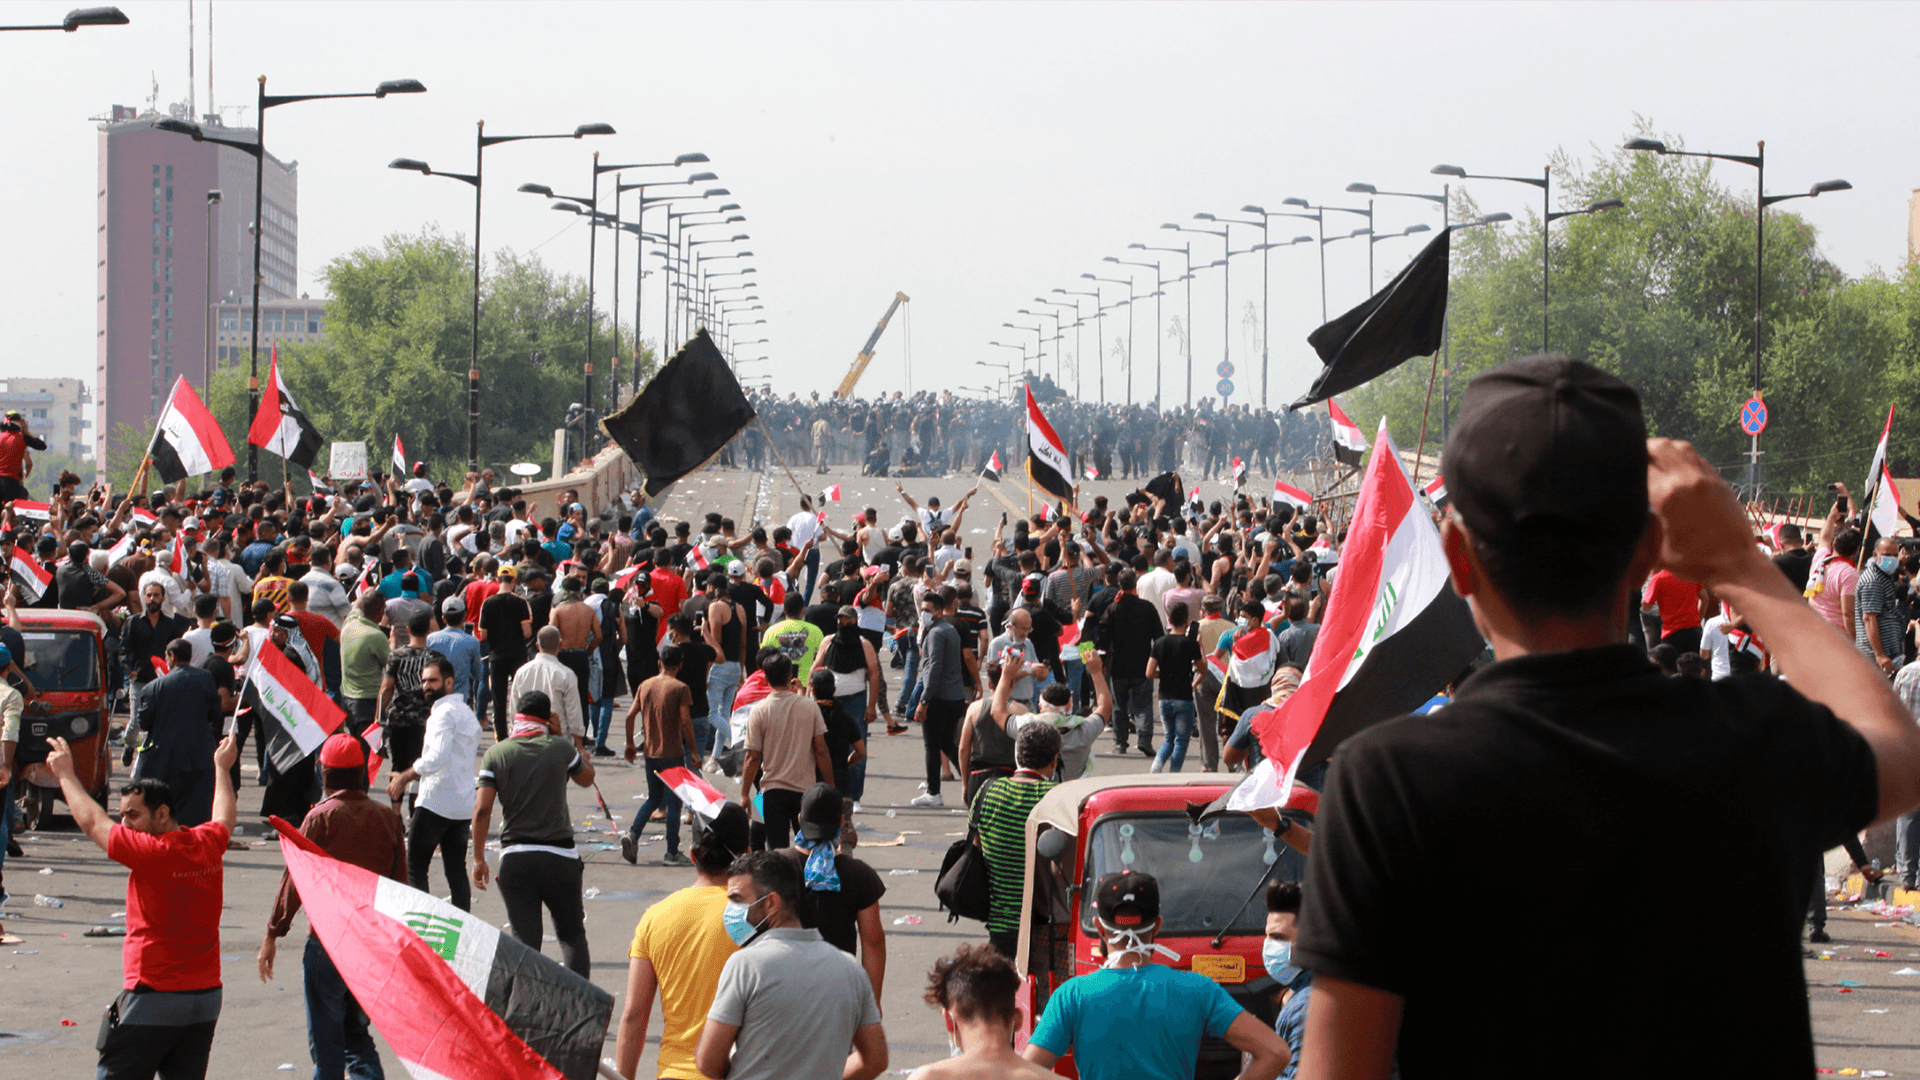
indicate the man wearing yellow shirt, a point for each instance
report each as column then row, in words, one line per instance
column 678, row 951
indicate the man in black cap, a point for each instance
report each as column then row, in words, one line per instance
column 840, row 894
column 1133, row 1018
column 1574, row 750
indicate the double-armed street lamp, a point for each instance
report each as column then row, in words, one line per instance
column 1157, row 294
column 1185, row 251
column 1079, row 321
column 619, row 188
column 1318, row 215
column 258, row 150
column 1762, row 200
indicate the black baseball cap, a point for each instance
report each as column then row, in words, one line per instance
column 820, row 811
column 1549, row 439
column 1127, row 899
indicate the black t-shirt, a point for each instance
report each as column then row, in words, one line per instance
column 969, row 621
column 1796, row 565
column 842, row 732
column 1593, row 770
column 500, row 616
column 1177, row 654
column 1127, row 632
column 699, row 656
column 836, row 914
column 824, row 615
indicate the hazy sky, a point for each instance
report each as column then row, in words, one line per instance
column 973, row 156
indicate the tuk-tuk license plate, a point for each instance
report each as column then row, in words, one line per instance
column 1222, row 969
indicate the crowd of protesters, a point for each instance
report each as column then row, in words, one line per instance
column 754, row 657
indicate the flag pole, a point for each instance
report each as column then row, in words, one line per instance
column 1420, row 448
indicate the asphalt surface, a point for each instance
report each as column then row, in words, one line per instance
column 57, row 981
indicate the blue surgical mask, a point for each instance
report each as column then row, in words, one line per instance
column 1888, row 564
column 740, row 926
column 1277, row 956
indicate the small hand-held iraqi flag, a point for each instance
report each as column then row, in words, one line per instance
column 454, row 997
column 298, row 716
column 280, row 427
column 1093, row 473
column 1394, row 632
column 1881, row 498
column 1284, row 492
column 701, row 797
column 33, row 577
column 1436, row 491
column 1046, row 454
column 369, row 578
column 993, row 467
column 34, row 511
column 1349, row 445
column 1239, row 472
column 399, row 458
column 832, row 494
column 187, row 440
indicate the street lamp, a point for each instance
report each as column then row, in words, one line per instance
column 1226, row 292
column 1059, row 333
column 1156, row 294
column 1591, row 208
column 1039, row 342
column 1762, row 200
column 258, row 149
column 79, row 17
column 1185, row 251
column 1545, row 184
column 592, row 203
column 1318, row 216
column 481, row 141
column 1078, row 321
column 1023, row 358
column 1057, row 339
column 213, row 200
column 618, row 189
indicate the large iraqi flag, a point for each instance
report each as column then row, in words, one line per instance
column 1046, row 454
column 455, row 998
column 187, row 441
column 1880, row 496
column 280, row 427
column 1395, row 632
column 298, row 716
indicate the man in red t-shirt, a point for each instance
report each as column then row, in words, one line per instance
column 163, row 1020
column 1679, row 603
column 15, row 441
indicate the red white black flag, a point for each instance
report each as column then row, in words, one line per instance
column 1349, row 445
column 1395, row 631
column 187, row 441
column 454, row 997
column 1046, row 454
column 280, row 427
column 1284, row 492
column 993, row 467
column 1880, row 496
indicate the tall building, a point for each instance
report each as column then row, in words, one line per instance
column 59, row 412
column 168, row 255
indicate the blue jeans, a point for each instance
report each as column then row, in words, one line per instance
column 659, row 796
column 1133, row 711
column 856, row 707
column 910, row 681
column 1178, row 716
column 1070, row 657
column 723, row 681
column 705, row 734
column 601, row 712
column 337, row 1035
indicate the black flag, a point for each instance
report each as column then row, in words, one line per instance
column 1394, row 325
column 688, row 411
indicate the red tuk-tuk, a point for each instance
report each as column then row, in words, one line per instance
column 1210, row 875
column 66, row 661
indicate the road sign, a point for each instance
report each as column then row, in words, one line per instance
column 1225, row 388
column 1753, row 416
column 1225, row 369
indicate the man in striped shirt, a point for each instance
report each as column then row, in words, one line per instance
column 999, row 817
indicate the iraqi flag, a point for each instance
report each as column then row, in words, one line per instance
column 1436, row 491
column 1261, row 789
column 369, row 578
column 120, row 550
column 177, row 555
column 1046, row 513
column 993, row 467
column 35, row 511
column 1395, row 632
column 1239, row 472
column 701, row 797
column 1046, row 454
column 399, row 459
column 187, row 441
column 1883, row 501
column 280, row 427
column 319, row 483
column 297, row 715
column 751, row 693
column 29, row 574
column 1093, row 473
column 1349, row 445
column 1284, row 492
column 454, row 997
column 832, row 494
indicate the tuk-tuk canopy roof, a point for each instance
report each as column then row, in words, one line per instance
column 1060, row 807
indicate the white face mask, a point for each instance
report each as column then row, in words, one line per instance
column 1132, row 942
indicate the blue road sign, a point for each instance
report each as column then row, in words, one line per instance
column 1753, row 416
column 1225, row 369
column 1225, row 388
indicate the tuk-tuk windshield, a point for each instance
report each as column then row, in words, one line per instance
column 1196, row 897
column 62, row 660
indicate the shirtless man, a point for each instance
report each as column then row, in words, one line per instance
column 579, row 626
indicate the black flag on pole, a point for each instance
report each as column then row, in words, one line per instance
column 1394, row 325
column 685, row 415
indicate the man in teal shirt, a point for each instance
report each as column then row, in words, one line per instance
column 1134, row 1019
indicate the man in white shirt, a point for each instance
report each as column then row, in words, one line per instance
column 325, row 595
column 179, row 601
column 444, row 773
column 548, row 675
column 1155, row 583
column 806, row 529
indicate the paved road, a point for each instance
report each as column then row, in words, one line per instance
column 59, row 975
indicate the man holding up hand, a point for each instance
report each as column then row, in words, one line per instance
column 1574, row 749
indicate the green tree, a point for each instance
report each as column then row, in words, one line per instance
column 399, row 325
column 1661, row 293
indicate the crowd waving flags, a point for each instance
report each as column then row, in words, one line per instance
column 187, row 441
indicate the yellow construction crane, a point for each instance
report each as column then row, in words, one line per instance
column 866, row 354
